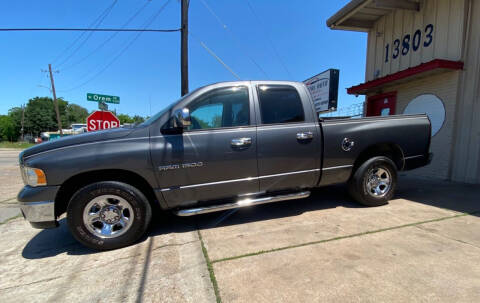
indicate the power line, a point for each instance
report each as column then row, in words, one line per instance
column 93, row 30
column 226, row 28
column 269, row 40
column 109, row 38
column 147, row 23
column 80, row 36
column 215, row 55
column 82, row 43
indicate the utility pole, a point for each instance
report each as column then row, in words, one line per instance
column 55, row 102
column 23, row 120
column 184, row 47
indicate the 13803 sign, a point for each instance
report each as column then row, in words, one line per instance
column 409, row 42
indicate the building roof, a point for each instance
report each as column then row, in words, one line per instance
column 361, row 15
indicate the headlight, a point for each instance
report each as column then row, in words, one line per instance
column 33, row 176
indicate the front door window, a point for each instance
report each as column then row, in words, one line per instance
column 223, row 107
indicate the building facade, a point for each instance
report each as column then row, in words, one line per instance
column 424, row 57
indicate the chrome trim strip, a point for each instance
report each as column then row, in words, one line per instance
column 290, row 173
column 217, row 131
column 290, row 125
column 361, row 120
column 337, row 167
column 210, row 183
column 241, row 203
column 412, row 157
column 42, row 211
column 240, row 180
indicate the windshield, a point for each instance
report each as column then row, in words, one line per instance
column 163, row 111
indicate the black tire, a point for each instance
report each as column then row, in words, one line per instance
column 361, row 190
column 136, row 202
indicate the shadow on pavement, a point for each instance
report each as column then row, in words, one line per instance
column 448, row 195
column 454, row 196
column 322, row 198
column 52, row 242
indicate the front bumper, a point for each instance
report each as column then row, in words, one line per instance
column 38, row 205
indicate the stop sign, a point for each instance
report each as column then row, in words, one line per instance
column 101, row 120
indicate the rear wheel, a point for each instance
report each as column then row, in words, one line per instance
column 108, row 215
column 374, row 182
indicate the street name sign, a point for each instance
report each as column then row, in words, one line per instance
column 99, row 120
column 103, row 98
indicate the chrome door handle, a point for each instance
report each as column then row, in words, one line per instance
column 304, row 136
column 241, row 142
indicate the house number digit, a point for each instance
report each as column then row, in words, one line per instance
column 408, row 41
column 416, row 40
column 396, row 50
column 429, row 37
column 405, row 45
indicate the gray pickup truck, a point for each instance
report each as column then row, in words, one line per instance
column 223, row 146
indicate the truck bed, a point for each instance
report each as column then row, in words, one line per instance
column 407, row 136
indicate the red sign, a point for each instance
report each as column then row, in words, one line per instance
column 101, row 120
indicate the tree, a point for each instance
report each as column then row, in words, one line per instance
column 40, row 115
column 76, row 114
column 124, row 118
column 15, row 114
column 7, row 128
column 138, row 119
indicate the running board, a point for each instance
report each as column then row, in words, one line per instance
column 240, row 203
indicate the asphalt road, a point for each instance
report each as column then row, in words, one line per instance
column 424, row 246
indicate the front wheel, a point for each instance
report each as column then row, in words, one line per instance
column 108, row 215
column 374, row 182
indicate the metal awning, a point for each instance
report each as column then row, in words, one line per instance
column 361, row 15
column 423, row 70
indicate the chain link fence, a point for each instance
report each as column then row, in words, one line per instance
column 354, row 111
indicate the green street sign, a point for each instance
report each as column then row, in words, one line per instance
column 103, row 98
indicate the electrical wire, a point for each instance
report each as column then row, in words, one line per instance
column 92, row 30
column 214, row 55
column 146, row 24
column 76, row 40
column 268, row 38
column 90, row 33
column 226, row 28
column 109, row 38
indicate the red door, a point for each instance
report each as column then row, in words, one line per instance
column 382, row 105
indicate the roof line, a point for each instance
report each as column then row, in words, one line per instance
column 362, row 89
column 346, row 11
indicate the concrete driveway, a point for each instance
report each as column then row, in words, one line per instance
column 423, row 246
column 10, row 183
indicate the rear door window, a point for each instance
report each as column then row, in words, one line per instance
column 280, row 104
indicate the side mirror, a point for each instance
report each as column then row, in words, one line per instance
column 182, row 118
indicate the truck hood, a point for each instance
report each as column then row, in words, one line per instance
column 97, row 136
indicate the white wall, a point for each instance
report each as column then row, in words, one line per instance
column 445, row 17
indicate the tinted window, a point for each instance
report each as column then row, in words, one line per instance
column 280, row 104
column 223, row 107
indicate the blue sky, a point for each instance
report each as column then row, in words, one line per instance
column 147, row 75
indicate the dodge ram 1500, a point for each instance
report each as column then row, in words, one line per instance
column 222, row 146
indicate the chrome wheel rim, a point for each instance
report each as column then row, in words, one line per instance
column 108, row 216
column 378, row 182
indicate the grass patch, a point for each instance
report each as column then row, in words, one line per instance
column 213, row 279
column 337, row 238
column 20, row 145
